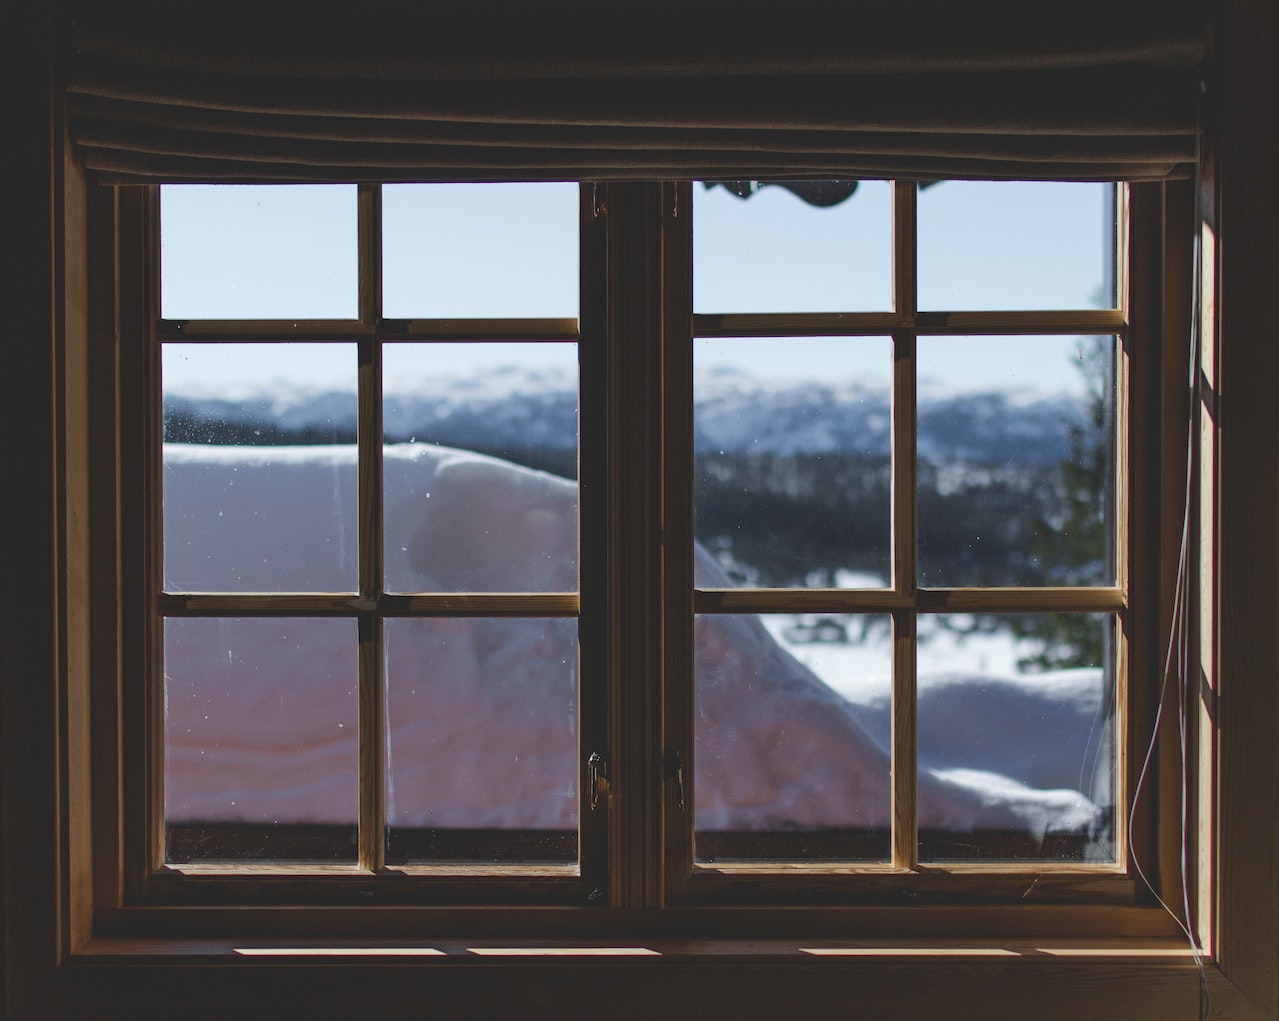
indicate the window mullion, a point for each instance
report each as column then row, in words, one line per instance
column 905, row 786
column 370, row 254
column 372, row 682
column 905, row 544
column 634, row 493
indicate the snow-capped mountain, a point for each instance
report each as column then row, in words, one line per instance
column 733, row 413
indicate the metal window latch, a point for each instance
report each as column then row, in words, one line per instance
column 675, row 771
column 597, row 776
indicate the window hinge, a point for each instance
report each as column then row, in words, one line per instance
column 597, row 772
column 675, row 771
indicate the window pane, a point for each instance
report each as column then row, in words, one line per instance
column 260, row 739
column 1016, row 461
column 1019, row 709
column 785, row 767
column 258, row 251
column 1016, row 245
column 482, row 752
column 479, row 467
column 486, row 250
column 260, row 468
column 792, row 441
column 774, row 251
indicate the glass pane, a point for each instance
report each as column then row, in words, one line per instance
column 479, row 467
column 482, row 752
column 786, row 767
column 1016, row 245
column 792, row 440
column 260, row 468
column 1016, row 721
column 760, row 247
column 487, row 250
column 261, row 758
column 258, row 251
column 1016, row 461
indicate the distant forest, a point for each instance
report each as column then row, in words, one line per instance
column 779, row 521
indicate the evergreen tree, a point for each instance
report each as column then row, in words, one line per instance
column 1074, row 544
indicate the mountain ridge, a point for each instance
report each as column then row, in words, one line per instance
column 734, row 413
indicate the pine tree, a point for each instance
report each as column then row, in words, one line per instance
column 1073, row 538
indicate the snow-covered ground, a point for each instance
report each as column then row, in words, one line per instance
column 260, row 715
column 978, row 707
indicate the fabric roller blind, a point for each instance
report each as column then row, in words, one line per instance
column 498, row 89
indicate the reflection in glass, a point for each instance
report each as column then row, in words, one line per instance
column 258, row 251
column 482, row 749
column 792, row 440
column 480, row 250
column 260, row 739
column 1016, row 464
column 1019, row 708
column 1016, row 245
column 260, row 477
column 774, row 252
column 479, row 466
column 785, row 768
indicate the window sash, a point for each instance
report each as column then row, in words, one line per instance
column 649, row 282
column 691, row 882
column 370, row 606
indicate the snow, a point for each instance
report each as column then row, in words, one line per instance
column 260, row 715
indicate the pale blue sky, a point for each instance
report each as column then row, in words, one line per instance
column 511, row 250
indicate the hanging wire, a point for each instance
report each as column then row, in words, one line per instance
column 1177, row 666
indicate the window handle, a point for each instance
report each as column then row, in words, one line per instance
column 597, row 773
column 675, row 771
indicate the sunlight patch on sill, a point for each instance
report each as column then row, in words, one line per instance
column 562, row 952
column 908, row 952
column 1185, row 951
column 339, row 952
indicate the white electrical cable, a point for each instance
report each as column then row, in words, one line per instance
column 1178, row 635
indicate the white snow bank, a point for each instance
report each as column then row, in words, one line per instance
column 261, row 715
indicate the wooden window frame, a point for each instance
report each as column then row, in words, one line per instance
column 64, row 958
column 648, row 363
column 148, row 879
column 642, row 332
column 903, row 876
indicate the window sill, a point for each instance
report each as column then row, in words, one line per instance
column 451, row 953
column 1146, row 977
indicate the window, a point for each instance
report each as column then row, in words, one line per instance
column 900, row 517
column 416, row 638
column 369, row 598
column 72, row 945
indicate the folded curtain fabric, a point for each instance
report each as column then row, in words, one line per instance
column 502, row 89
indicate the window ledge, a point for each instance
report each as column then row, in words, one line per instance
column 1133, row 978
column 447, row 953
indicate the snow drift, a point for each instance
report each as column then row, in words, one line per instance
column 261, row 715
